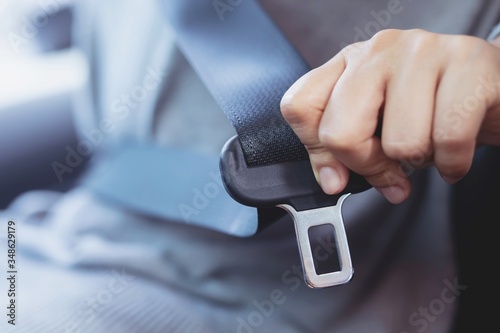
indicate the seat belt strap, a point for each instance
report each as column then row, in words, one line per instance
column 247, row 65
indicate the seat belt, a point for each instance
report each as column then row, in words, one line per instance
column 247, row 64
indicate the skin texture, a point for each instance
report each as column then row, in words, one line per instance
column 435, row 98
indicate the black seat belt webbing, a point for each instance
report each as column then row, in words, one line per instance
column 246, row 70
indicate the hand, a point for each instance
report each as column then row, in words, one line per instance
column 436, row 97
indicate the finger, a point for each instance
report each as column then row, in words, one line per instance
column 348, row 128
column 302, row 107
column 460, row 110
column 303, row 104
column 409, row 112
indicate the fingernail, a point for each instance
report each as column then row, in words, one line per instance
column 329, row 180
column 451, row 180
column 394, row 194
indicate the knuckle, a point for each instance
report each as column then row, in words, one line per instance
column 391, row 177
column 450, row 143
column 293, row 108
column 465, row 43
column 339, row 142
column 320, row 157
column 470, row 50
column 418, row 41
column 422, row 42
column 413, row 150
column 383, row 39
column 386, row 36
column 420, row 34
column 386, row 174
column 380, row 44
column 353, row 51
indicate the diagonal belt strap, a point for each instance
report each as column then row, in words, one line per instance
column 247, row 64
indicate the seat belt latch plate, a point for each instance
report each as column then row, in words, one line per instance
column 293, row 187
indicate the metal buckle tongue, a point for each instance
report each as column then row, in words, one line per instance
column 291, row 186
column 303, row 221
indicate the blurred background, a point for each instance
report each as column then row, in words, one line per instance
column 39, row 71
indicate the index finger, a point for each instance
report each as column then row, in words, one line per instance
column 302, row 107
